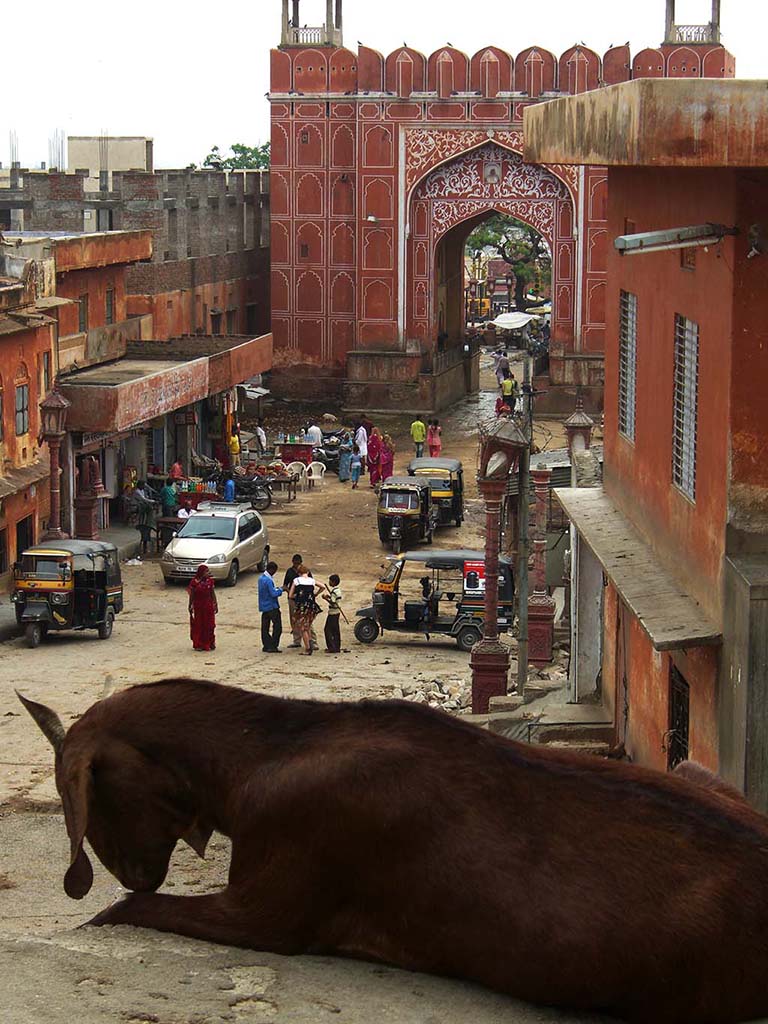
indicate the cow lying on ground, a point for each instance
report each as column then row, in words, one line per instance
column 388, row 831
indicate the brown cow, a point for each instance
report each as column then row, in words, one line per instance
column 387, row 831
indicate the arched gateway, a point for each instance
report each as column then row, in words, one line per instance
column 381, row 166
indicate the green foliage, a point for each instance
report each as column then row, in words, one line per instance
column 240, row 157
column 519, row 245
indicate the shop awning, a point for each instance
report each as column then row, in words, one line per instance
column 128, row 392
column 15, row 480
column 513, row 321
column 670, row 616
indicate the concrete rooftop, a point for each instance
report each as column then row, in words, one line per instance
column 659, row 122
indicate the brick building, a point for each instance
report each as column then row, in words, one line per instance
column 380, row 168
column 671, row 554
column 208, row 272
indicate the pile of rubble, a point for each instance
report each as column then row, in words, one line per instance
column 451, row 695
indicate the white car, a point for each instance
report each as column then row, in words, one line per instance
column 227, row 537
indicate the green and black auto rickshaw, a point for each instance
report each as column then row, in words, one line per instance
column 67, row 584
column 446, row 481
column 405, row 513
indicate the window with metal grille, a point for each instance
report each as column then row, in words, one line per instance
column 679, row 710
column 109, row 313
column 627, row 363
column 685, row 405
column 22, row 409
column 46, row 372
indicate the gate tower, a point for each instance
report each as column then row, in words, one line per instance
column 382, row 165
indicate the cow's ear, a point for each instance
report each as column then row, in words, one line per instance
column 197, row 836
column 76, row 795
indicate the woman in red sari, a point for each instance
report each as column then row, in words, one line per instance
column 387, row 458
column 374, row 454
column 202, row 610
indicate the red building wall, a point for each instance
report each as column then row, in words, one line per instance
column 688, row 535
column 354, row 134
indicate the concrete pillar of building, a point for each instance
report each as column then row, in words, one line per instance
column 295, row 13
column 490, row 658
column 715, row 25
column 541, row 607
column 670, row 22
column 339, row 25
column 329, row 21
column 285, row 23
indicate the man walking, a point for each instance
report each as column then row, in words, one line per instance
column 502, row 367
column 419, row 435
column 269, row 606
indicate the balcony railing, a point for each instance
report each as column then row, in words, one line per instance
column 307, row 36
column 695, row 34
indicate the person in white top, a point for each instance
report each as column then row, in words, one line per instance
column 261, row 437
column 315, row 435
column 361, row 440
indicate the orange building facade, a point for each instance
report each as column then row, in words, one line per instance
column 675, row 543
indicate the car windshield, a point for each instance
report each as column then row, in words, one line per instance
column 210, row 527
column 45, row 568
column 401, row 500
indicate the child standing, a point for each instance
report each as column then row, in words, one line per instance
column 434, row 439
column 332, row 624
column 355, row 466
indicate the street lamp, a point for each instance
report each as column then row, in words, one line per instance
column 53, row 412
column 510, row 281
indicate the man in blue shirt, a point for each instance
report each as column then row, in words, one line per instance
column 229, row 488
column 269, row 606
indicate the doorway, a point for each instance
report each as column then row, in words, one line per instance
column 25, row 534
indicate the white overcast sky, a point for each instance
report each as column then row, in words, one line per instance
column 191, row 74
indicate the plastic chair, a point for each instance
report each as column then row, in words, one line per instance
column 300, row 470
column 316, row 472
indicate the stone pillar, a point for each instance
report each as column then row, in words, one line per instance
column 87, row 501
column 54, row 531
column 285, row 23
column 490, row 657
column 541, row 607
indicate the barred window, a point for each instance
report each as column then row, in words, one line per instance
column 627, row 363
column 685, row 405
column 22, row 409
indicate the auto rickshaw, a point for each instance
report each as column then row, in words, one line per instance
column 448, row 598
column 67, row 584
column 446, row 481
column 405, row 514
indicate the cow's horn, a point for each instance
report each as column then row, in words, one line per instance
column 48, row 720
column 109, row 686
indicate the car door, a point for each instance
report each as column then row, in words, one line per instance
column 245, row 546
column 260, row 537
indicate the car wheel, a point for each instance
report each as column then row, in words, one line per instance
column 33, row 634
column 234, row 572
column 262, row 566
column 366, row 630
column 105, row 627
column 467, row 637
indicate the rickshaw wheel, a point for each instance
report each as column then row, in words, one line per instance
column 33, row 634
column 366, row 630
column 105, row 627
column 467, row 637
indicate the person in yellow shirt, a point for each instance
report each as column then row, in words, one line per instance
column 509, row 389
column 419, row 435
column 234, row 449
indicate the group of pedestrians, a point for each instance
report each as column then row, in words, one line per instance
column 509, row 390
column 303, row 593
column 429, row 433
column 372, row 451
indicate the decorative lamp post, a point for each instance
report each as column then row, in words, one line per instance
column 489, row 660
column 541, row 607
column 53, row 412
column 510, row 281
column 578, row 428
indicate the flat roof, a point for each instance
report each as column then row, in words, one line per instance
column 122, row 371
column 671, row 617
column 654, row 122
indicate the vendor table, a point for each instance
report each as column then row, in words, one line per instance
column 298, row 451
column 193, row 498
column 288, row 484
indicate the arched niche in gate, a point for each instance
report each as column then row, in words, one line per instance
column 487, row 177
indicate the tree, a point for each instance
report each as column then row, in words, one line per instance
column 520, row 246
column 240, row 158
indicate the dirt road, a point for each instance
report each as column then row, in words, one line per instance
column 126, row 975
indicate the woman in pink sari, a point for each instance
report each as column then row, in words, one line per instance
column 202, row 610
column 374, row 455
column 387, row 458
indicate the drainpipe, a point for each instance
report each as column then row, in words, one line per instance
column 522, row 515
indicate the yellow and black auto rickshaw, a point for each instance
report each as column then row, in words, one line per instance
column 405, row 514
column 67, row 584
column 443, row 594
column 446, row 481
